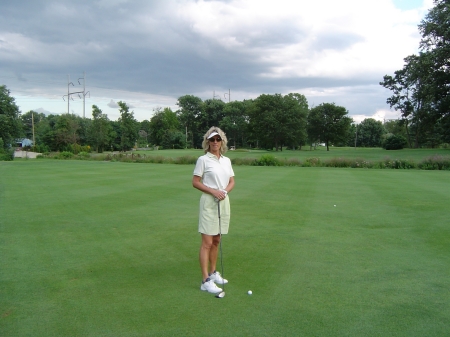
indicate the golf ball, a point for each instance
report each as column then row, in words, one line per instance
column 334, row 205
column 249, row 292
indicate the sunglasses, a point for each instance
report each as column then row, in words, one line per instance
column 213, row 140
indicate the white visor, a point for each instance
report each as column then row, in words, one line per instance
column 213, row 134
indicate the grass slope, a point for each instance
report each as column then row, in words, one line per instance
column 110, row 249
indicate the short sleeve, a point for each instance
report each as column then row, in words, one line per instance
column 199, row 167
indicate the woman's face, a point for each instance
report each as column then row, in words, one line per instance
column 214, row 144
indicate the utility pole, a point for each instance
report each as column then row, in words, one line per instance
column 84, row 92
column 229, row 95
column 69, row 94
column 32, row 124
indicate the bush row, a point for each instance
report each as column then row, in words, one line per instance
column 429, row 163
column 122, row 157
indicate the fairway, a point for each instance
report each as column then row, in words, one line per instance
column 111, row 249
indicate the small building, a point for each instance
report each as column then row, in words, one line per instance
column 24, row 142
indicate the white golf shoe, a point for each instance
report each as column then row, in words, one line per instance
column 210, row 287
column 217, row 278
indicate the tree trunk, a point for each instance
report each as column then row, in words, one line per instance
column 408, row 135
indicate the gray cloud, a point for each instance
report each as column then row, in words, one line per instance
column 45, row 112
column 113, row 104
column 168, row 49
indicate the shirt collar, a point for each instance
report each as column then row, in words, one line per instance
column 210, row 155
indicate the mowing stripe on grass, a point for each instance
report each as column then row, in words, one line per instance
column 111, row 249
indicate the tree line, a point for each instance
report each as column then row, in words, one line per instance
column 268, row 122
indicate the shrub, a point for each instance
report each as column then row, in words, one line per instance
column 244, row 161
column 159, row 159
column 397, row 164
column 361, row 163
column 84, row 155
column 7, row 155
column 338, row 162
column 435, row 163
column 311, row 162
column 76, row 148
column 186, row 160
column 64, row 155
column 394, row 142
column 293, row 162
column 41, row 148
column 268, row 160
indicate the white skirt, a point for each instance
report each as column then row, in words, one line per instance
column 208, row 220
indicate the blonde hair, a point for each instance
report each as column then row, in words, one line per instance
column 223, row 145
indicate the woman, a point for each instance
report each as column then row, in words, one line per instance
column 214, row 176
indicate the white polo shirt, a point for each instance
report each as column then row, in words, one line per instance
column 215, row 172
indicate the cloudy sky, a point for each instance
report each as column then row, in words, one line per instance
column 148, row 53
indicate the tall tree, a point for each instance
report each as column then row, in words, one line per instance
column 10, row 125
column 100, row 130
column 66, row 129
column 47, row 132
column 163, row 125
column 128, row 127
column 267, row 120
column 421, row 90
column 395, row 127
column 412, row 95
column 211, row 114
column 328, row 123
column 296, row 108
column 144, row 132
column 370, row 133
column 435, row 30
column 279, row 120
column 190, row 108
column 235, row 122
column 30, row 119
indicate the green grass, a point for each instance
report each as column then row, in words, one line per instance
column 374, row 158
column 110, row 249
column 373, row 154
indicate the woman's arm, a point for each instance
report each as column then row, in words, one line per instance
column 230, row 185
column 197, row 183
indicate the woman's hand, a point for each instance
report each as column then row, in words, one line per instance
column 219, row 194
